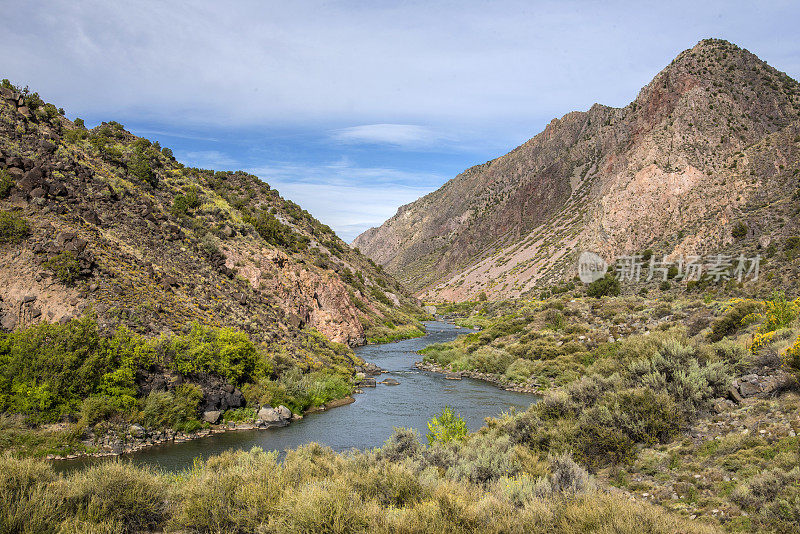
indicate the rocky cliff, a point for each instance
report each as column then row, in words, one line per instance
column 704, row 160
column 105, row 222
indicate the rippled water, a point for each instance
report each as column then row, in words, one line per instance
column 367, row 422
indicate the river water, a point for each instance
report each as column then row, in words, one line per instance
column 367, row 422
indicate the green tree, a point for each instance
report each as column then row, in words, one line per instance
column 140, row 167
column 446, row 427
column 606, row 286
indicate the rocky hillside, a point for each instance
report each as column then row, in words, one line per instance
column 705, row 160
column 101, row 220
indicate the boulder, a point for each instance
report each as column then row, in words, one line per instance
column 367, row 383
column 453, row 376
column 8, row 322
column 212, row 416
column 749, row 389
column 137, row 431
column 284, row 412
column 390, row 382
column 370, row 369
column 269, row 415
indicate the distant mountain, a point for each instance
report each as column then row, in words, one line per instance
column 105, row 222
column 705, row 159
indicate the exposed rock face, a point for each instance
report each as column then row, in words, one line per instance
column 711, row 141
column 139, row 252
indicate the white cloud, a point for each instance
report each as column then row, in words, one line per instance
column 404, row 135
column 335, row 64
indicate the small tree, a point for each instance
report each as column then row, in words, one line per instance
column 446, row 427
column 140, row 167
column 606, row 286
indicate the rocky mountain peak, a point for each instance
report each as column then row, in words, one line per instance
column 672, row 170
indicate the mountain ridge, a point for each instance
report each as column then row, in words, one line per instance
column 116, row 225
column 566, row 188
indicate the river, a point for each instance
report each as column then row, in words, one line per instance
column 367, row 422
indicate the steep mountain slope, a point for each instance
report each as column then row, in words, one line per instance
column 710, row 143
column 101, row 220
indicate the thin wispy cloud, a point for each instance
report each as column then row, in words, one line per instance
column 213, row 159
column 401, row 135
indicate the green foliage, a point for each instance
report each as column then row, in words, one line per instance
column 609, row 431
column 13, row 228
column 478, row 485
column 223, row 352
column 276, row 233
column 140, row 167
column 65, row 266
column 180, row 206
column 178, row 409
column 733, row 319
column 6, row 183
column 739, row 230
column 47, row 371
column 446, row 427
column 79, row 123
column 608, row 286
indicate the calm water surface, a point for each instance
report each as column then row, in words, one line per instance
column 367, row 422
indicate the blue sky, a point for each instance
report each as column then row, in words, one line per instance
column 352, row 109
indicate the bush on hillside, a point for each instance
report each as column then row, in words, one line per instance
column 65, row 266
column 6, row 183
column 13, row 228
column 608, row 286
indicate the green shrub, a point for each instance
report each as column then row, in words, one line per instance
column 180, row 206
column 276, row 233
column 46, row 371
column 177, row 410
column 140, row 168
column 65, row 266
column 609, row 431
column 446, row 427
column 732, row 320
column 739, row 230
column 224, row 352
column 520, row 370
column 129, row 497
column 13, row 228
column 608, row 286
column 6, row 183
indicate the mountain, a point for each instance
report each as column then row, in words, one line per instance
column 704, row 160
column 100, row 221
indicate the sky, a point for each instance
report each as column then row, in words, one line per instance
column 352, row 109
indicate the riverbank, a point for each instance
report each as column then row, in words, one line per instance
column 531, row 386
column 129, row 439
